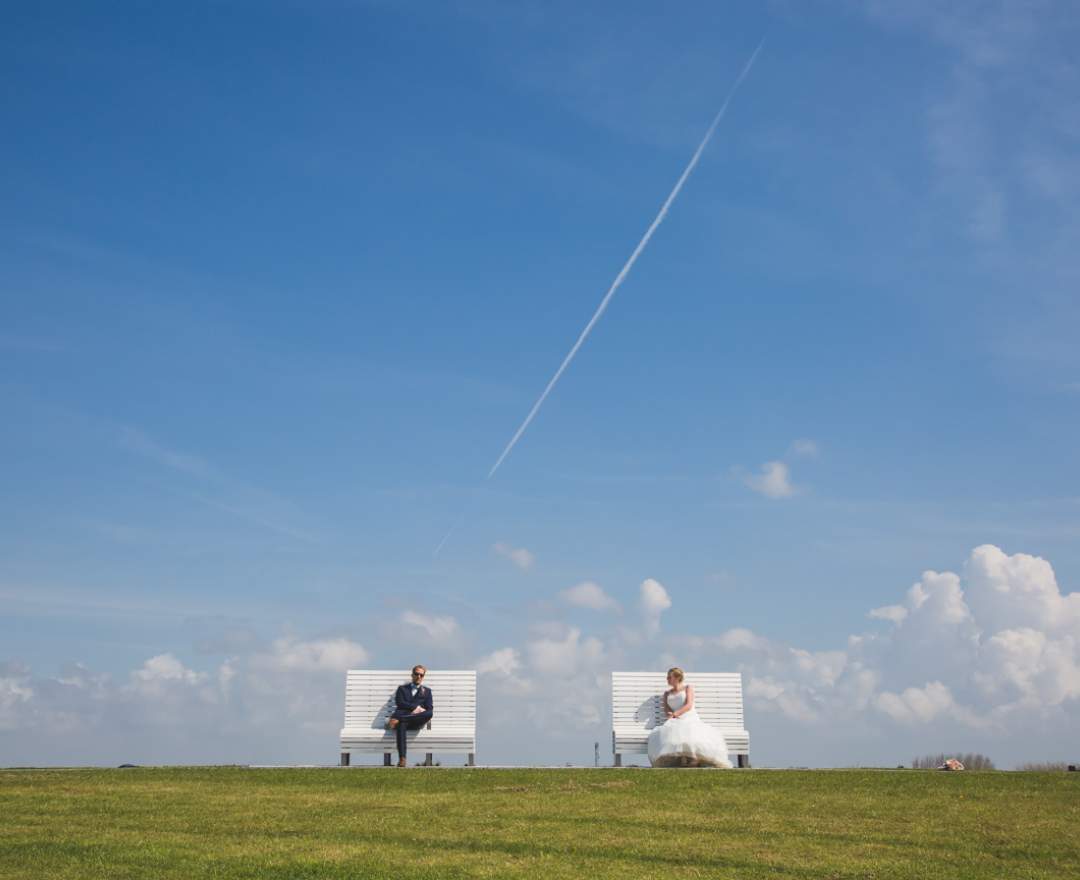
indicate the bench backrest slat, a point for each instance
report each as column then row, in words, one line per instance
column 369, row 696
column 636, row 698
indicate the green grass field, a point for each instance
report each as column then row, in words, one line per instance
column 233, row 823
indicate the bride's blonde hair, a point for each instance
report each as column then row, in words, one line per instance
column 678, row 674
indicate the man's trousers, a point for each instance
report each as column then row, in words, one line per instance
column 407, row 722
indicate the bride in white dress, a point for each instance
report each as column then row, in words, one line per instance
column 684, row 740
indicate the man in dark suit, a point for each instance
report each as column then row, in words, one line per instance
column 414, row 710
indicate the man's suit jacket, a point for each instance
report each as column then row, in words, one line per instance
column 406, row 702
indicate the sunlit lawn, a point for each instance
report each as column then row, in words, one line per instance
column 233, row 823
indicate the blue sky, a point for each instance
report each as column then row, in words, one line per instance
column 279, row 281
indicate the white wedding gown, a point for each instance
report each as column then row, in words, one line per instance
column 686, row 737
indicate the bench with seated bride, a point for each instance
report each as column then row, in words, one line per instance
column 709, row 732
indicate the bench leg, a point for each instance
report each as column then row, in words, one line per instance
column 472, row 759
column 344, row 759
column 386, row 759
column 744, row 760
column 618, row 760
column 427, row 759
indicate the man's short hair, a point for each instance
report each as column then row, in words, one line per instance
column 419, row 666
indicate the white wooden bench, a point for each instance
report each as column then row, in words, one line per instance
column 369, row 702
column 637, row 707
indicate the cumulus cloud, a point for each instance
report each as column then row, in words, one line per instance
column 739, row 639
column 318, row 655
column 1031, row 668
column 166, row 668
column 993, row 650
column 559, row 688
column 503, row 662
column 916, row 704
column 281, row 701
column 564, row 657
column 438, row 629
column 521, row 557
column 1016, row 591
column 894, row 613
column 654, row 598
column 774, row 481
column 995, row 646
column 553, row 684
column 590, row 595
column 15, row 689
column 654, row 602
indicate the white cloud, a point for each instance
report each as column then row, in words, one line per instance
column 894, row 613
column 564, row 657
column 1001, row 642
column 939, row 595
column 1019, row 590
column 1031, row 668
column 559, row 690
column 764, row 687
column 503, row 662
column 521, row 557
column 438, row 629
column 993, row 652
column 15, row 689
column 590, row 595
column 804, row 447
column 278, row 702
column 654, row 602
column 162, row 689
column 774, row 481
column 739, row 639
column 916, row 705
column 319, row 655
column 821, row 668
column 166, row 668
column 654, row 597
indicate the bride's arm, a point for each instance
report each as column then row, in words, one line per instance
column 667, row 708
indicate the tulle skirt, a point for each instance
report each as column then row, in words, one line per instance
column 687, row 740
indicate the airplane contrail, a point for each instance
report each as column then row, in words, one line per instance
column 614, row 286
column 627, row 267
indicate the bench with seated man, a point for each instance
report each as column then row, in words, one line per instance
column 437, row 715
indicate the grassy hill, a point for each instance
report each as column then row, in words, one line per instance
column 236, row 823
